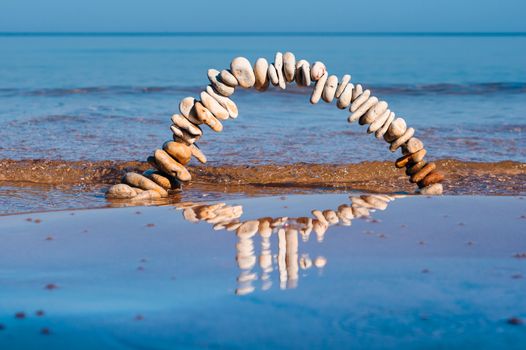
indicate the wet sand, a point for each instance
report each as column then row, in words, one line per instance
column 440, row 272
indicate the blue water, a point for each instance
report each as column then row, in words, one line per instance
column 111, row 97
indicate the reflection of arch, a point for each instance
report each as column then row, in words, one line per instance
column 289, row 259
column 215, row 106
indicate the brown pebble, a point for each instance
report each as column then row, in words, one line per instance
column 150, row 225
column 515, row 321
column 419, row 176
column 415, row 168
column 38, row 221
column 410, row 158
column 520, row 256
column 49, row 238
column 431, row 178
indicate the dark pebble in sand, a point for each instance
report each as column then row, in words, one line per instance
column 515, row 321
column 138, row 212
column 38, row 221
column 51, row 286
column 20, row 315
column 49, row 238
column 39, row 313
column 45, row 331
column 150, row 225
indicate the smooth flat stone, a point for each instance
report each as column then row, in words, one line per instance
column 289, row 66
column 137, row 180
column 248, row 229
column 215, row 80
column 379, row 134
column 415, row 168
column 183, row 123
column 379, row 121
column 329, row 89
column 357, row 92
column 303, row 73
column 373, row 113
column 358, row 102
column 431, row 178
column 170, row 166
column 148, row 195
column 395, row 130
column 414, row 145
column 178, row 151
column 273, row 75
column 363, row 109
column 187, row 109
column 161, row 179
column 422, row 173
column 432, row 190
column 226, row 102
column 317, row 71
column 228, row 78
column 197, row 153
column 411, row 158
column 242, row 70
column 278, row 64
column 261, row 74
column 183, row 134
column 318, row 89
column 121, row 191
column 402, row 139
column 342, row 85
column 213, row 106
column 205, row 116
column 344, row 100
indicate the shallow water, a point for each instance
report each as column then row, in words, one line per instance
column 424, row 272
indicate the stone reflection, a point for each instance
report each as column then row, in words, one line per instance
column 288, row 261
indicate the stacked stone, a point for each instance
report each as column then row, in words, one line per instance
column 215, row 107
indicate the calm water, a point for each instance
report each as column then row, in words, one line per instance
column 112, row 97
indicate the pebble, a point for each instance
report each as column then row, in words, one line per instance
column 415, row 168
column 303, row 73
column 242, row 70
column 205, row 116
column 318, row 89
column 411, row 158
column 121, row 191
column 215, row 80
column 379, row 134
column 373, row 113
column 317, row 71
column 414, row 145
column 363, row 109
column 178, row 151
column 170, row 166
column 160, row 179
column 376, row 202
column 359, row 212
column 434, row 189
column 273, row 75
column 329, row 89
column 345, row 98
column 320, row 262
column 147, row 195
column 419, row 176
column 226, row 102
column 187, row 109
column 358, row 90
column 378, row 122
column 331, row 217
column 137, row 180
column 402, row 139
column 228, row 78
column 278, row 64
column 261, row 74
column 360, row 100
column 342, row 85
column 183, row 123
column 395, row 130
column 183, row 134
column 319, row 215
column 289, row 66
column 248, row 229
column 431, row 178
column 196, row 152
column 213, row 106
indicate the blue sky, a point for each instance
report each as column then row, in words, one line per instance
column 262, row 16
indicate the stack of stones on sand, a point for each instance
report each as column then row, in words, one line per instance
column 214, row 106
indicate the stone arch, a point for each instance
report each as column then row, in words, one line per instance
column 215, row 106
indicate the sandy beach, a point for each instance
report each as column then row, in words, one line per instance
column 423, row 272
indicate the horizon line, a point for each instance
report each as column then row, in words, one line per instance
column 299, row 33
